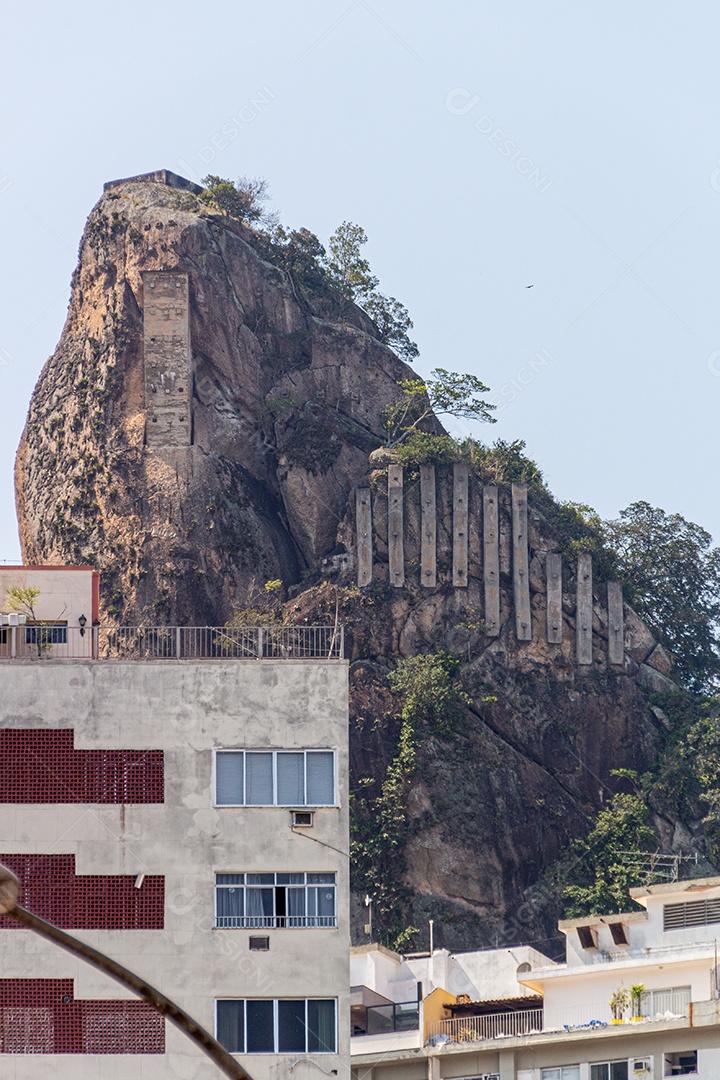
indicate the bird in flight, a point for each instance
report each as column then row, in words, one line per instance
column 529, row 286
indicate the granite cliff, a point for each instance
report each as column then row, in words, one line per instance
column 261, row 442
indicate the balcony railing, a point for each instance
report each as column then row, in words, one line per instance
column 655, row 1005
column 45, row 642
column 491, row 1026
column 271, row 922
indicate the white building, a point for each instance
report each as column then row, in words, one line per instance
column 188, row 817
column 567, row 1031
column 66, row 607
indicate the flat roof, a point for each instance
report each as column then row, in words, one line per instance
column 693, row 885
column 603, row 920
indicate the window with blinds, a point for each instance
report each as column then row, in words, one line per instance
column 275, row 778
column 692, row 913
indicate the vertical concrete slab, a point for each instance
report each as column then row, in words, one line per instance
column 583, row 613
column 363, row 524
column 616, row 623
column 554, row 599
column 521, row 575
column 396, row 557
column 491, row 560
column 428, row 527
column 460, row 524
column 167, row 358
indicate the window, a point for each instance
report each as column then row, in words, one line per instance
column 293, row 1026
column 275, row 777
column 567, row 1072
column 693, row 913
column 683, row 1064
column 275, row 900
column 45, row 634
column 609, row 1070
column 674, row 1000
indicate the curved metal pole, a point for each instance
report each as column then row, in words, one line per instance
column 9, row 891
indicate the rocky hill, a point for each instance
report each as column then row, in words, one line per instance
column 202, row 428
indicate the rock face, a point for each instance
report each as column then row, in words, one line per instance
column 257, row 482
column 286, row 406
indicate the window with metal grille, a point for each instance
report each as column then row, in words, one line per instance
column 40, row 1016
column 692, row 913
column 275, row 900
column 51, row 889
column 275, row 777
column 41, row 765
column 279, row 1026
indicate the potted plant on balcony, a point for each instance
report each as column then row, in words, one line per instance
column 636, row 994
column 619, row 1001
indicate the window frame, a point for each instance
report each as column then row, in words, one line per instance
column 280, row 750
column 607, row 1064
column 58, row 633
column 275, row 921
column 276, row 1025
column 560, row 1068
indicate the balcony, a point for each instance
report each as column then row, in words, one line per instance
column 656, row 1006
column 490, row 1026
column 109, row 643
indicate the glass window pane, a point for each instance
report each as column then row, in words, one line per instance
column 231, row 1025
column 291, row 779
column 550, row 1074
column 291, row 1027
column 321, row 879
column 321, row 779
column 290, row 879
column 261, row 879
column 260, row 1027
column 229, row 879
column 258, row 771
column 619, row 1070
column 259, row 907
column 321, row 1035
column 599, row 1072
column 229, row 776
column 229, row 904
column 571, row 1072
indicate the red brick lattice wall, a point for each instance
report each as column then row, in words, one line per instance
column 40, row 1016
column 52, row 890
column 41, row 765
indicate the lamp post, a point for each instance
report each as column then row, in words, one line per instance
column 9, row 892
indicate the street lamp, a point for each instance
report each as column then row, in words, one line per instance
column 9, row 892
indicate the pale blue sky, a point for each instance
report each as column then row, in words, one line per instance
column 484, row 146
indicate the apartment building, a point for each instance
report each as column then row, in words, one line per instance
column 176, row 797
column 637, row 997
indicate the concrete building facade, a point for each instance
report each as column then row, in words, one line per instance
column 190, row 819
column 555, row 1021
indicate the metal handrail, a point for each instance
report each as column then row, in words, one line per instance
column 490, row 1026
column 173, row 643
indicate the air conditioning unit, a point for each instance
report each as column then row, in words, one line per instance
column 302, row 819
column 12, row 618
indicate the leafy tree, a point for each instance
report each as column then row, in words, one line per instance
column 602, row 877
column 23, row 599
column 393, row 323
column 349, row 272
column 300, row 253
column 704, row 740
column 445, row 393
column 243, row 200
column 672, row 575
